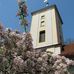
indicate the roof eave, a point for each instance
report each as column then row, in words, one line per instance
column 48, row 7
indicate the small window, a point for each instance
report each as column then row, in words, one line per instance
column 42, row 36
column 42, row 23
column 42, row 17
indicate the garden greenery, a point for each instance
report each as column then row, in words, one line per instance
column 17, row 56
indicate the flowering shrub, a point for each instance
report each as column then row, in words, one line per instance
column 17, row 56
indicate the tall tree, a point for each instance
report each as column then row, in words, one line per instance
column 22, row 13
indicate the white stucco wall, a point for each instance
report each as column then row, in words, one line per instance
column 47, row 28
column 50, row 28
column 54, row 50
column 59, row 29
column 34, row 29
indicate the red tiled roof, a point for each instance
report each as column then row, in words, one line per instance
column 68, row 50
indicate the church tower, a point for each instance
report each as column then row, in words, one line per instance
column 46, row 29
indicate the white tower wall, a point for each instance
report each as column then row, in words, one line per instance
column 48, row 17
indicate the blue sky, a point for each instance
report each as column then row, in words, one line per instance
column 9, row 8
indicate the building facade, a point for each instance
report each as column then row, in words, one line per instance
column 46, row 29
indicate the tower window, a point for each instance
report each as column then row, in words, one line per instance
column 42, row 23
column 42, row 17
column 42, row 36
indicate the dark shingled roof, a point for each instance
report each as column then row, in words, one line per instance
column 49, row 7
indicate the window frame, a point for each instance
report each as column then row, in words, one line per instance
column 41, row 38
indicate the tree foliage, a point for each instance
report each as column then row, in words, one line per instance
column 22, row 13
column 17, row 56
